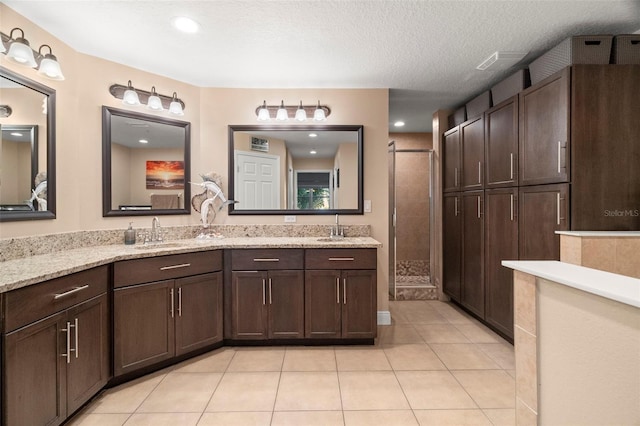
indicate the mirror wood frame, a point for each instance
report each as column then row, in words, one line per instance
column 50, row 213
column 302, row 128
column 107, row 210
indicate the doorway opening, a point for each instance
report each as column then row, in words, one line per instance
column 410, row 223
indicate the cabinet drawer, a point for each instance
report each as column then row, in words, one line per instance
column 339, row 258
column 138, row 271
column 266, row 259
column 29, row 304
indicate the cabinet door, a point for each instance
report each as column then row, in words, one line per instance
column 286, row 304
column 544, row 131
column 472, row 143
column 359, row 304
column 501, row 243
column 452, row 245
column 501, row 144
column 451, row 152
column 322, row 299
column 473, row 252
column 89, row 368
column 143, row 325
column 249, row 309
column 605, row 134
column 35, row 373
column 543, row 211
column 198, row 311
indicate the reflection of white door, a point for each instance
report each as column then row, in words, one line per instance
column 257, row 181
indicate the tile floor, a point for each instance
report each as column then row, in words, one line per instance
column 433, row 366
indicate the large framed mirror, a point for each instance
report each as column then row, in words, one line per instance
column 292, row 170
column 145, row 164
column 27, row 151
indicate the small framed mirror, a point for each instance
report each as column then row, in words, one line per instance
column 291, row 170
column 27, row 151
column 145, row 164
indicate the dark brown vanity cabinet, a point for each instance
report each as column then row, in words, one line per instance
column 267, row 294
column 542, row 210
column 501, row 144
column 501, row 243
column 451, row 154
column 56, row 347
column 340, row 293
column 164, row 307
column 452, row 245
column 472, row 154
column 544, row 131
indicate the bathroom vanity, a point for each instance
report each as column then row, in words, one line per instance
column 77, row 321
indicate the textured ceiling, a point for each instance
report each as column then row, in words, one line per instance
column 425, row 51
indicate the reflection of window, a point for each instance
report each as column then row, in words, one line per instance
column 313, row 190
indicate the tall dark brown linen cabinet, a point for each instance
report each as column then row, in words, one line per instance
column 561, row 155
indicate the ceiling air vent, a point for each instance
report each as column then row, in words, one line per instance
column 501, row 60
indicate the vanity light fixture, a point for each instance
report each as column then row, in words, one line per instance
column 21, row 53
column 282, row 114
column 153, row 100
column 49, row 66
column 154, row 103
column 5, row 111
column 300, row 112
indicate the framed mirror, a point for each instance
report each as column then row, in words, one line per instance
column 27, row 150
column 292, row 170
column 145, row 164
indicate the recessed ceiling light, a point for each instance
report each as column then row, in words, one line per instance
column 313, row 152
column 399, row 123
column 143, row 141
column 185, row 24
column 313, row 135
column 16, row 134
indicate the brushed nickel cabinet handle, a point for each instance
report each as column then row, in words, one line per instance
column 268, row 259
column 559, row 159
column 511, row 166
column 68, row 331
column 270, row 293
column 338, row 291
column 344, row 291
column 558, row 208
column 182, row 265
column 455, row 206
column 70, row 292
column 264, row 291
column 338, row 259
column 511, row 205
column 172, row 302
column 76, row 350
column 478, row 207
column 479, row 172
column 455, row 176
column 179, row 301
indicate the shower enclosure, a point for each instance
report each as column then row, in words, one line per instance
column 410, row 222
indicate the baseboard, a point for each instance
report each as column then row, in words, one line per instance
column 384, row 318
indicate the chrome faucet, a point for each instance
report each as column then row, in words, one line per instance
column 156, row 231
column 337, row 231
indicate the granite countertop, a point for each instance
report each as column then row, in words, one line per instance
column 22, row 272
column 602, row 234
column 616, row 287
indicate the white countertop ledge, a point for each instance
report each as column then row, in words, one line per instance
column 616, row 287
column 603, row 234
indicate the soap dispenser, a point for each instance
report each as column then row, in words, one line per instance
column 130, row 235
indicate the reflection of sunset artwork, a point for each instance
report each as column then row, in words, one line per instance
column 165, row 174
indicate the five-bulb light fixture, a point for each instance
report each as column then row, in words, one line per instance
column 21, row 53
column 156, row 102
column 299, row 112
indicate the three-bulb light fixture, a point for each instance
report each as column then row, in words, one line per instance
column 153, row 100
column 299, row 112
column 20, row 52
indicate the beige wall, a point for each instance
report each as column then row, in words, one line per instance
column 347, row 192
column 209, row 110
